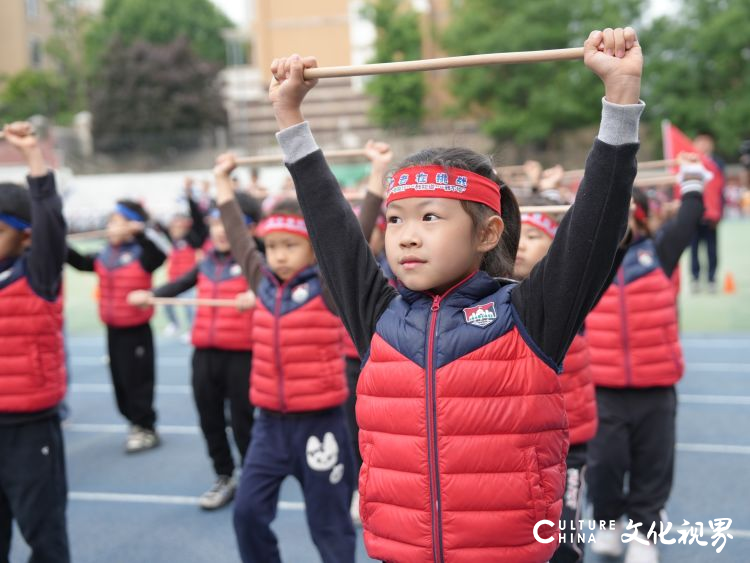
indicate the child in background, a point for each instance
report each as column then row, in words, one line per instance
column 298, row 385
column 636, row 361
column 187, row 233
column 126, row 264
column 463, row 430
column 223, row 352
column 33, row 485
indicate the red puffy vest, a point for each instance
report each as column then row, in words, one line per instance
column 579, row 392
column 632, row 333
column 225, row 328
column 463, row 432
column 32, row 357
column 120, row 272
column 182, row 259
column 298, row 362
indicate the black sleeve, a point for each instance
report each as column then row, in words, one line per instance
column 81, row 262
column 560, row 291
column 198, row 231
column 46, row 257
column 152, row 256
column 676, row 234
column 350, row 271
column 178, row 286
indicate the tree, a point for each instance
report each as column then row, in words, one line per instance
column 398, row 97
column 159, row 22
column 32, row 92
column 148, row 93
column 698, row 70
column 530, row 103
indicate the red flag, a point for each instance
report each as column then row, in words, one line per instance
column 675, row 142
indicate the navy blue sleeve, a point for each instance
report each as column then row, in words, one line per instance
column 48, row 229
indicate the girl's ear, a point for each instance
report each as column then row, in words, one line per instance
column 490, row 234
column 25, row 239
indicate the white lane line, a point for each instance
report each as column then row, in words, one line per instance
column 713, row 448
column 157, row 499
column 107, row 388
column 121, row 429
column 714, row 399
column 720, row 367
column 181, row 361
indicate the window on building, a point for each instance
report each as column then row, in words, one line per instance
column 36, row 51
column 32, row 9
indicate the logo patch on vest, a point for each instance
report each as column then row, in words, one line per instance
column 235, row 270
column 5, row 275
column 301, row 293
column 645, row 258
column 126, row 258
column 481, row 315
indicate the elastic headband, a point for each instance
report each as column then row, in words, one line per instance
column 15, row 222
column 541, row 221
column 129, row 214
column 293, row 224
column 449, row 183
column 216, row 214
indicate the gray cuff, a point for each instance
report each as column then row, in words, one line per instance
column 620, row 123
column 691, row 186
column 296, row 142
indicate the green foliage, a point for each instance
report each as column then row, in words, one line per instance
column 698, row 70
column 399, row 97
column 159, row 22
column 32, row 92
column 530, row 103
column 148, row 94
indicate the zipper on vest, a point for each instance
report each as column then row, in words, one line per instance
column 111, row 284
column 432, row 438
column 277, row 343
column 624, row 329
column 214, row 295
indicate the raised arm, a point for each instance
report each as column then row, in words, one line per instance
column 358, row 286
column 561, row 290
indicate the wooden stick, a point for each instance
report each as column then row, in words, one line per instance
column 446, row 62
column 279, row 159
column 193, row 302
column 666, row 180
column 88, row 235
column 648, row 165
column 544, row 208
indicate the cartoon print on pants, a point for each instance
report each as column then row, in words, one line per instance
column 324, row 456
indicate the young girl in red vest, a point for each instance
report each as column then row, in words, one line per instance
column 463, row 430
column 187, row 233
column 223, row 352
column 297, row 384
column 132, row 254
column 636, row 361
column 33, row 486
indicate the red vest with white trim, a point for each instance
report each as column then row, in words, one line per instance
column 463, row 431
column 579, row 392
column 182, row 259
column 225, row 328
column 32, row 357
column 298, row 363
column 632, row 333
column 120, row 272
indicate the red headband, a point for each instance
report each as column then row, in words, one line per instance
column 438, row 181
column 293, row 224
column 540, row 221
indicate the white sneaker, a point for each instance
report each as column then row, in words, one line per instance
column 140, row 439
column 609, row 542
column 354, row 511
column 170, row 330
column 220, row 494
column 639, row 553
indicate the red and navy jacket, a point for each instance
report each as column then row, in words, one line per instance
column 225, row 328
column 298, row 363
column 120, row 271
column 182, row 259
column 632, row 332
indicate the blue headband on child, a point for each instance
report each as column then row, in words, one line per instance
column 216, row 214
column 14, row 222
column 129, row 214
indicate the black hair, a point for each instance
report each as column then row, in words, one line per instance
column 499, row 261
column 288, row 206
column 15, row 200
column 640, row 198
column 249, row 206
column 135, row 207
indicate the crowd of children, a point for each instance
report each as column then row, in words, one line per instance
column 443, row 369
